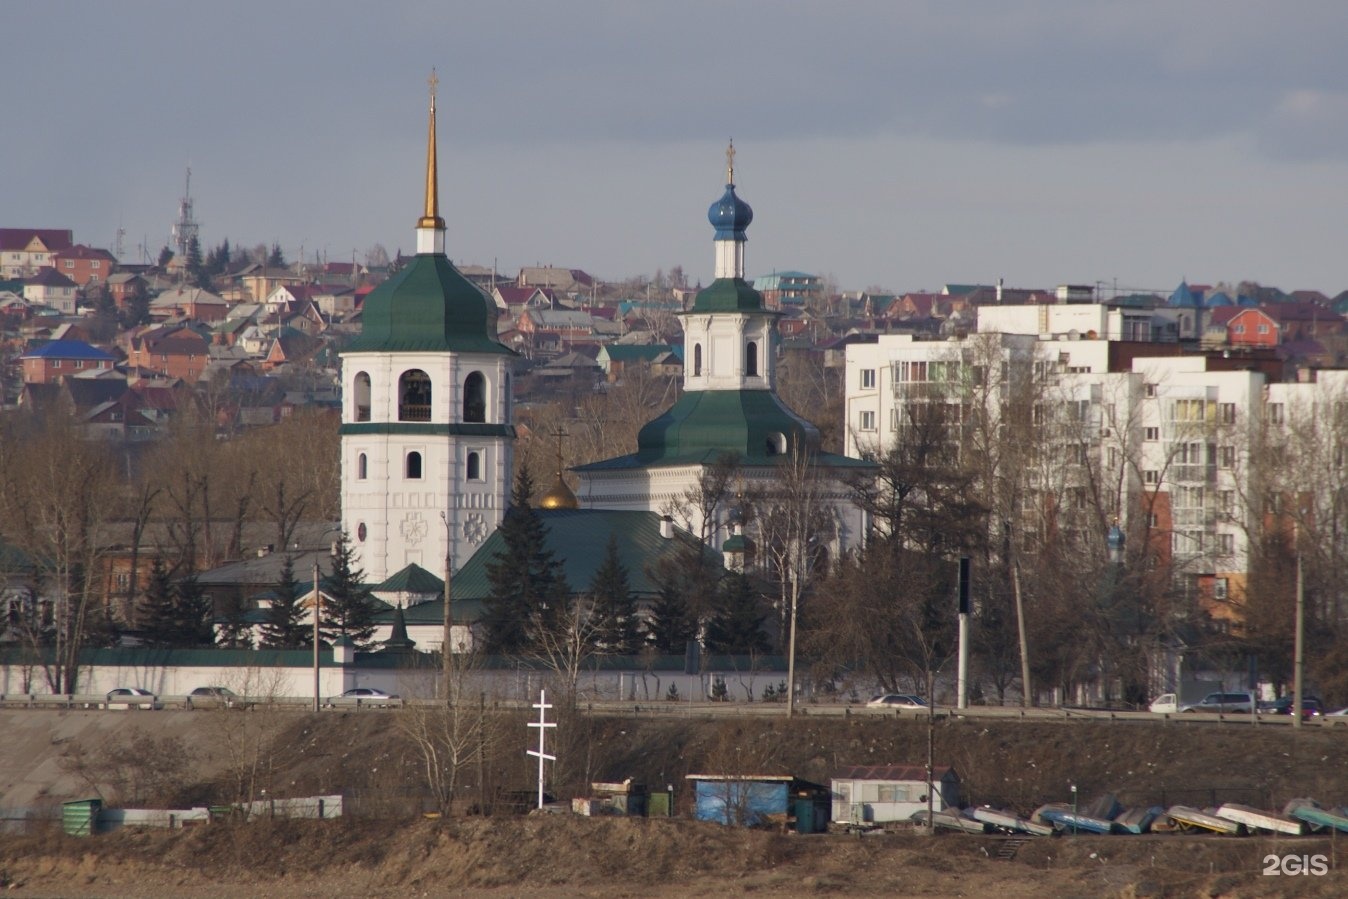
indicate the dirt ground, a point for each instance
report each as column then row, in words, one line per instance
column 384, row 848
column 571, row 856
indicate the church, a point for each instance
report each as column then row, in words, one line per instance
column 427, row 436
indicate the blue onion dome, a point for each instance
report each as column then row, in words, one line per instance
column 730, row 215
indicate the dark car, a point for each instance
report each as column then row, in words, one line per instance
column 1222, row 702
column 1311, row 706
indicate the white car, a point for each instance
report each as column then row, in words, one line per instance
column 1334, row 719
column 132, row 698
column 1165, row 704
column 897, row 701
column 366, row 697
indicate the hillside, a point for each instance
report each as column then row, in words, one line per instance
column 382, row 848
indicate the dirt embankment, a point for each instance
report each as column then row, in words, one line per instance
column 385, row 850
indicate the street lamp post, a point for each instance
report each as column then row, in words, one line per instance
column 1114, row 540
column 318, row 604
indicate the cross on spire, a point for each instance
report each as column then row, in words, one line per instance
column 730, row 162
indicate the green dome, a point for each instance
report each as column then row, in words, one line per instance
column 729, row 295
column 704, row 424
column 428, row 307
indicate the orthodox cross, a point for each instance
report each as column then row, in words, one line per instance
column 542, row 724
column 730, row 162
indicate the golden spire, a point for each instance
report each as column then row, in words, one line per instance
column 730, row 162
column 432, row 217
column 560, row 496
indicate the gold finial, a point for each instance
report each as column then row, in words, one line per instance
column 560, row 496
column 730, row 162
column 431, row 218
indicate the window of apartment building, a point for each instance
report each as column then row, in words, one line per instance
column 1275, row 413
column 1189, row 454
column 1151, row 476
column 893, row 419
column 1113, row 457
column 868, row 379
column 1219, row 588
column 1226, row 413
column 1226, row 544
column 1226, row 501
column 1187, row 410
column 1149, row 390
column 1151, row 433
column 1153, row 521
column 868, row 421
column 1228, row 457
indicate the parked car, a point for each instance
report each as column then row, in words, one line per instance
column 897, row 701
column 1311, row 706
column 1222, row 702
column 132, row 698
column 213, row 698
column 1337, row 718
column 1165, row 704
column 366, row 696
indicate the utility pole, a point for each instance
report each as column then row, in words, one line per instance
column 1299, row 648
column 447, row 647
column 962, row 672
column 318, row 600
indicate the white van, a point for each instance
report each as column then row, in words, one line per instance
column 1165, row 704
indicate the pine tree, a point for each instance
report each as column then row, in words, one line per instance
column 165, row 256
column 284, row 627
column 348, row 607
column 736, row 627
column 276, row 259
column 526, row 581
column 614, row 610
column 670, row 626
column 193, row 614
column 157, row 608
column 196, row 272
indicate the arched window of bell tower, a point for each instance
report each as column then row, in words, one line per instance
column 362, row 467
column 414, row 396
column 414, row 466
column 751, row 359
column 362, row 396
column 475, row 398
column 697, row 360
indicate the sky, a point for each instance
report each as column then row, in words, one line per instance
column 898, row 145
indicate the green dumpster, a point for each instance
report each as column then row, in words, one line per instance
column 79, row 818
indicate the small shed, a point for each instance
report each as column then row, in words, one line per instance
column 754, row 800
column 881, row 793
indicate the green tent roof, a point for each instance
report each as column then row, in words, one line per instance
column 428, row 307
column 412, row 579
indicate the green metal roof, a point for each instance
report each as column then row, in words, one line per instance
column 412, row 579
column 578, row 539
column 428, row 307
column 713, row 422
column 729, row 295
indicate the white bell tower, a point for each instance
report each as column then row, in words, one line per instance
column 427, row 427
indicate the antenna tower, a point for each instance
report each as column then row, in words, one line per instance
column 185, row 229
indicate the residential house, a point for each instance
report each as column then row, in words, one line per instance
column 188, row 302
column 781, row 289
column 615, row 358
column 124, row 285
column 175, row 351
column 291, row 347
column 553, row 330
column 1253, row 327
column 84, row 265
column 261, row 280
column 52, row 362
column 567, row 280
column 878, row 794
column 52, row 289
column 513, row 300
column 23, row 251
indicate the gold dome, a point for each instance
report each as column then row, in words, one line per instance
column 559, row 497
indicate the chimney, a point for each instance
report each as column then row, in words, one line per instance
column 667, row 527
column 999, row 290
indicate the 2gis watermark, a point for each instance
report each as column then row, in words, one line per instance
column 1293, row 865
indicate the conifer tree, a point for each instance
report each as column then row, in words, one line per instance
column 614, row 608
column 670, row 625
column 348, row 607
column 276, row 259
column 527, row 585
column 284, row 627
column 736, row 627
column 193, row 613
column 156, row 610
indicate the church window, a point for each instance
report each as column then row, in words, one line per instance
column 414, row 466
column 362, row 467
column 474, row 467
column 361, row 532
column 362, row 385
column 475, row 398
column 751, row 359
column 697, row 360
column 414, row 396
